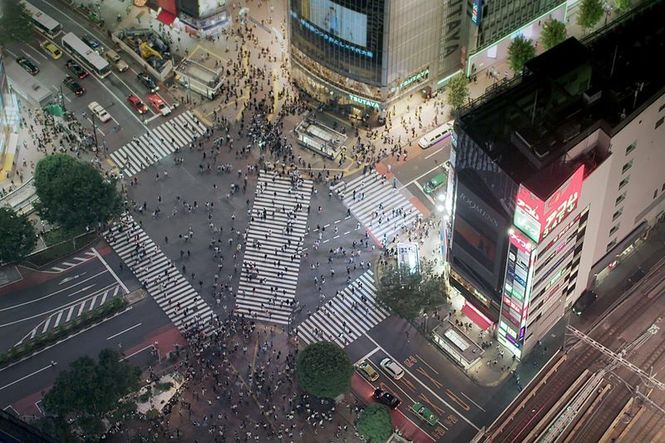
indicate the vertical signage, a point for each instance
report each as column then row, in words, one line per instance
column 477, row 12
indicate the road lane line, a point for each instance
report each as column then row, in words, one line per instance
column 24, row 377
column 136, row 352
column 467, row 397
column 426, row 387
column 120, row 282
column 434, row 153
column 427, row 364
column 368, row 355
column 123, row 331
column 419, row 177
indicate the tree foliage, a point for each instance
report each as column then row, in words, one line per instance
column 624, row 5
column 73, row 194
column 520, row 51
column 17, row 236
column 457, row 91
column 590, row 13
column 15, row 22
column 375, row 424
column 554, row 32
column 324, row 370
column 409, row 294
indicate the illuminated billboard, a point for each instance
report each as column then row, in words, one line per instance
column 537, row 218
column 338, row 21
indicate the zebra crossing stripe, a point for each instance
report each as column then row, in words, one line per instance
column 273, row 245
column 157, row 143
column 160, row 277
column 347, row 316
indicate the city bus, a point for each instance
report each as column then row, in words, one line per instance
column 84, row 54
column 43, row 22
column 441, row 133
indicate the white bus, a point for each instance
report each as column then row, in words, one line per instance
column 84, row 54
column 43, row 22
column 441, row 133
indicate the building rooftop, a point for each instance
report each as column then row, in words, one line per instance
column 567, row 93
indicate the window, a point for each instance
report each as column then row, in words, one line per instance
column 617, row 214
column 659, row 122
column 610, row 245
column 624, row 182
column 614, row 229
column 663, row 187
column 630, row 148
column 626, row 167
column 655, row 194
column 661, row 107
column 619, row 199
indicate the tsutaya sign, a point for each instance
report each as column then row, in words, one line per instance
column 537, row 218
column 364, row 101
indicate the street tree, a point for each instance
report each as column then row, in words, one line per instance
column 409, row 294
column 623, row 5
column 520, row 51
column 15, row 22
column 375, row 424
column 590, row 13
column 554, row 32
column 17, row 236
column 457, row 91
column 87, row 391
column 324, row 370
column 73, row 194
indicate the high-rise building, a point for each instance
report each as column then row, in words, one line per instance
column 9, row 122
column 204, row 15
column 556, row 174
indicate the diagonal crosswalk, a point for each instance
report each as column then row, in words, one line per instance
column 374, row 201
column 346, row 316
column 157, row 143
column 159, row 276
column 273, row 247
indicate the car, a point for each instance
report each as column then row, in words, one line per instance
column 148, row 82
column 74, row 86
column 386, row 398
column 52, row 49
column 76, row 70
column 28, row 65
column 391, row 368
column 424, row 414
column 158, row 104
column 114, row 58
column 99, row 112
column 585, row 300
column 137, row 104
column 367, row 371
column 435, row 183
column 90, row 41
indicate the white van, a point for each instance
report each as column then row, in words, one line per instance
column 114, row 58
column 442, row 132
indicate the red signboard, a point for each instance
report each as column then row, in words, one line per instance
column 538, row 218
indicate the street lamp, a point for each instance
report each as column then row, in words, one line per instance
column 94, row 128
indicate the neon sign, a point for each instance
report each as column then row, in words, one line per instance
column 414, row 78
column 330, row 39
column 364, row 101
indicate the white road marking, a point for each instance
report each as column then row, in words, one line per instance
column 434, row 153
column 37, row 51
column 24, row 377
column 125, row 330
column 467, row 397
column 368, row 355
column 120, row 282
column 420, row 176
column 152, row 118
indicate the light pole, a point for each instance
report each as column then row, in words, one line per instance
column 94, row 128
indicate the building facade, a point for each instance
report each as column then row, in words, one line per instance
column 556, row 175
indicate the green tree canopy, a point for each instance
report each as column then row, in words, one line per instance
column 17, row 236
column 15, row 22
column 554, row 32
column 88, row 390
column 324, row 370
column 73, row 194
column 375, row 424
column 624, row 5
column 457, row 91
column 520, row 51
column 590, row 13
column 409, row 294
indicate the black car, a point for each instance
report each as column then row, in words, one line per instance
column 76, row 69
column 148, row 81
column 28, row 65
column 88, row 40
column 386, row 398
column 74, row 86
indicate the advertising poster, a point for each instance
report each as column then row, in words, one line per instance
column 338, row 21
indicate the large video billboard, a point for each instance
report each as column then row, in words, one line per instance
column 537, row 218
column 338, row 21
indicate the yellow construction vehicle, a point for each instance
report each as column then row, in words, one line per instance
column 147, row 51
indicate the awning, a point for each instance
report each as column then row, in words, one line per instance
column 166, row 17
column 475, row 316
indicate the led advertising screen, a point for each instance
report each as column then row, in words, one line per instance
column 537, row 218
column 339, row 21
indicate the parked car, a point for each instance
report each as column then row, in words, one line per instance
column 99, row 112
column 28, row 65
column 75, row 86
column 148, row 82
column 52, row 49
column 386, row 398
column 137, row 104
column 158, row 104
column 367, row 371
column 76, row 69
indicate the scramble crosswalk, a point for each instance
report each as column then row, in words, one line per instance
column 159, row 276
column 273, row 247
column 378, row 205
column 157, row 143
column 346, row 316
